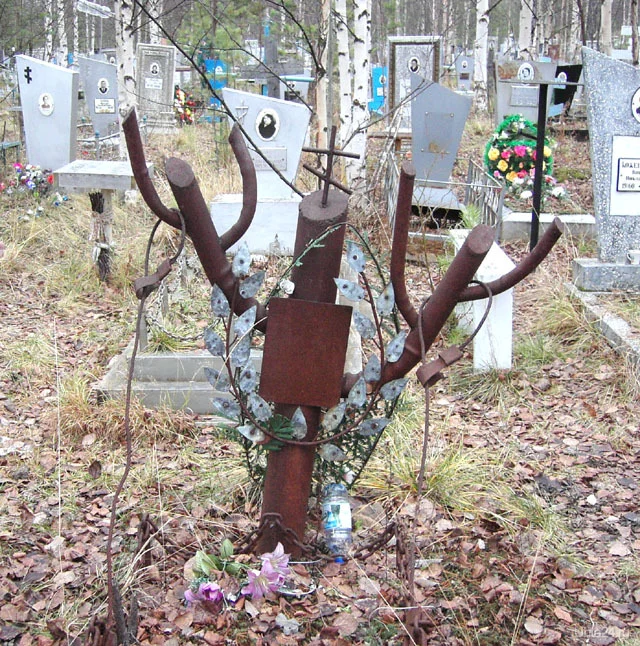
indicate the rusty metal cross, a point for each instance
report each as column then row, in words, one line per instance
column 331, row 152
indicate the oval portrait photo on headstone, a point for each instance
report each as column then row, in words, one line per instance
column 155, row 68
column 267, row 124
column 414, row 64
column 635, row 105
column 45, row 104
column 103, row 86
column 526, row 72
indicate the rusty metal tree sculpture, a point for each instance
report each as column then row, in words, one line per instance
column 306, row 334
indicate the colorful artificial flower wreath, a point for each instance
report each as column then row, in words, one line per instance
column 510, row 155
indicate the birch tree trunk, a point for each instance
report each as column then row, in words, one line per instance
column 63, row 47
column 322, row 84
column 634, row 32
column 525, row 34
column 155, row 9
column 356, row 168
column 76, row 32
column 48, row 30
column 480, row 53
column 125, row 52
column 606, row 43
column 345, row 71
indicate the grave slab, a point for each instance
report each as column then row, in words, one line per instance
column 515, row 97
column 612, row 92
column 517, row 225
column 408, row 56
column 278, row 129
column 155, row 69
column 49, row 100
column 438, row 116
column 464, row 72
column 100, row 83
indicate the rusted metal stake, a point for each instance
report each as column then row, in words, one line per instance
column 287, row 482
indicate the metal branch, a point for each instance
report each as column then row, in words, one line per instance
column 399, row 246
column 141, row 172
column 205, row 238
column 442, row 301
column 249, row 189
column 526, row 266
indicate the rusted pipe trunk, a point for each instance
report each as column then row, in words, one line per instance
column 443, row 301
column 287, row 483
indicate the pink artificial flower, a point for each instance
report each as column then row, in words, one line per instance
column 277, row 560
column 207, row 591
column 533, row 154
column 520, row 151
column 262, row 582
column 496, row 173
column 522, row 174
column 505, row 154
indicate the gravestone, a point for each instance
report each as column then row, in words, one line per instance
column 379, row 77
column 493, row 344
column 464, row 72
column 278, row 128
column 408, row 56
column 438, row 116
column 49, row 101
column 612, row 92
column 100, row 82
column 155, row 69
column 517, row 92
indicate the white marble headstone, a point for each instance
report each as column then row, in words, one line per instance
column 100, row 83
column 155, row 68
column 278, row 128
column 49, row 101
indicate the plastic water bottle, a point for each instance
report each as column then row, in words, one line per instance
column 336, row 520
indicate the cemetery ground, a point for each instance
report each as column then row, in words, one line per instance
column 527, row 530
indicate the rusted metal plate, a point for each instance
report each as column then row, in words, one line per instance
column 304, row 352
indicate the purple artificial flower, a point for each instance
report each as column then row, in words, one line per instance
column 262, row 582
column 278, row 560
column 207, row 591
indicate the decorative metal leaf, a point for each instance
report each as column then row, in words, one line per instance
column 244, row 322
column 332, row 453
column 373, row 426
column 395, row 347
column 241, row 261
column 259, row 407
column 214, row 343
column 219, row 379
column 250, row 286
column 372, row 370
column 333, row 416
column 364, row 325
column 393, row 389
column 219, row 302
column 248, row 379
column 241, row 353
column 355, row 257
column 287, row 286
column 298, row 424
column 386, row 301
column 227, row 407
column 251, row 433
column 358, row 393
column 352, row 291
